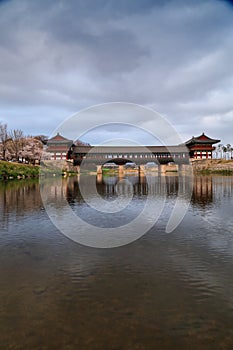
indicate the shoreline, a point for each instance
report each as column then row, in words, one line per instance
column 20, row 171
column 11, row 171
column 212, row 166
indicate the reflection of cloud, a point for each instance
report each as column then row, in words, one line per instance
column 60, row 57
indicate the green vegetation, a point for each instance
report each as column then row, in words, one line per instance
column 10, row 170
column 50, row 168
column 55, row 169
column 213, row 166
column 109, row 170
column 214, row 171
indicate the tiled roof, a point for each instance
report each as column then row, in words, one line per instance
column 58, row 138
column 202, row 139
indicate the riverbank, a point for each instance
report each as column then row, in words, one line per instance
column 213, row 166
column 12, row 170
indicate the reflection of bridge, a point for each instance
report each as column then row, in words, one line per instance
column 110, row 186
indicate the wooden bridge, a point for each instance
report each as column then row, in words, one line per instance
column 199, row 147
column 121, row 155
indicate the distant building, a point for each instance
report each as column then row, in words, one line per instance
column 58, row 147
column 201, row 147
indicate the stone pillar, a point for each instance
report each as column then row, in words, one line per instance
column 99, row 178
column 162, row 169
column 121, row 169
column 141, row 172
column 187, row 169
column 141, row 168
column 99, row 169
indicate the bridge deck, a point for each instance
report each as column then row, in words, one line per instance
column 136, row 154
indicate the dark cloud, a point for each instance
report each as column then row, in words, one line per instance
column 175, row 56
column 229, row 2
column 3, row 1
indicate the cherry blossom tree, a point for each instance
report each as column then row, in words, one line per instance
column 32, row 150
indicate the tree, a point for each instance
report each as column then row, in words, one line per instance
column 219, row 147
column 16, row 143
column 81, row 143
column 32, row 150
column 3, row 139
column 224, row 149
column 42, row 138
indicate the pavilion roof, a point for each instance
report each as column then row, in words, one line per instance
column 59, row 139
column 202, row 139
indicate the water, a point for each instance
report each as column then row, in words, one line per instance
column 163, row 291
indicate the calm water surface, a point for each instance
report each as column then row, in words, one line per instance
column 164, row 291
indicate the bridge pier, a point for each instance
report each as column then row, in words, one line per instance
column 180, row 168
column 162, row 169
column 141, row 168
column 121, row 169
column 141, row 172
column 99, row 169
column 185, row 169
column 99, row 178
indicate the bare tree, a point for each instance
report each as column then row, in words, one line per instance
column 3, row 139
column 42, row 138
column 81, row 143
column 16, row 143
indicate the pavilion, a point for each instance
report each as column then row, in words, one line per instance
column 201, row 147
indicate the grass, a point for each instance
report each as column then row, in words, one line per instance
column 10, row 170
column 215, row 171
column 109, row 170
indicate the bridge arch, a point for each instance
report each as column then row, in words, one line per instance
column 119, row 161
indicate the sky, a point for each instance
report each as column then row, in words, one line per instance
column 172, row 56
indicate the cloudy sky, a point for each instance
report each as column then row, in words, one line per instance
column 174, row 56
